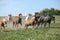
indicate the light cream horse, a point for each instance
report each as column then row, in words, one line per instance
column 6, row 20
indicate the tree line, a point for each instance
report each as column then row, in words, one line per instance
column 50, row 11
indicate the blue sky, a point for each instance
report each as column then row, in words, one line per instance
column 15, row 7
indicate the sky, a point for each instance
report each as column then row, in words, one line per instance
column 15, row 7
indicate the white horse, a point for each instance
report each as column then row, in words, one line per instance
column 27, row 18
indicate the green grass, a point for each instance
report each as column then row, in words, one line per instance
column 52, row 33
column 38, row 34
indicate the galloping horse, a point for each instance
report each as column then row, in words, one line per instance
column 17, row 20
column 30, row 22
column 46, row 19
column 7, row 19
column 2, row 23
column 27, row 17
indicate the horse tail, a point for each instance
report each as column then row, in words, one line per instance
column 54, row 19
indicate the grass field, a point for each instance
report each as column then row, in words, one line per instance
column 52, row 33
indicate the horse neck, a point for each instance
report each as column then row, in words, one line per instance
column 19, row 18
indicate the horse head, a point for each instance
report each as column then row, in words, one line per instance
column 53, row 18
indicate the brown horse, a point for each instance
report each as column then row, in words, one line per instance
column 30, row 22
column 17, row 20
column 2, row 23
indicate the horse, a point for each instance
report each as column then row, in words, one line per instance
column 2, row 23
column 27, row 17
column 46, row 19
column 17, row 20
column 30, row 22
column 37, row 19
column 7, row 19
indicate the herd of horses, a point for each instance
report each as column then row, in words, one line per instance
column 34, row 21
column 40, row 20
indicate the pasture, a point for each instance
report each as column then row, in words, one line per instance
column 52, row 33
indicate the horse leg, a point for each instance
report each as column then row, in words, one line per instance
column 13, row 24
column 41, row 24
column 1, row 28
column 33, row 27
column 17, row 25
column 38, row 24
column 49, row 24
column 44, row 25
column 21, row 23
column 33, row 24
column 5, row 24
column 26, row 27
